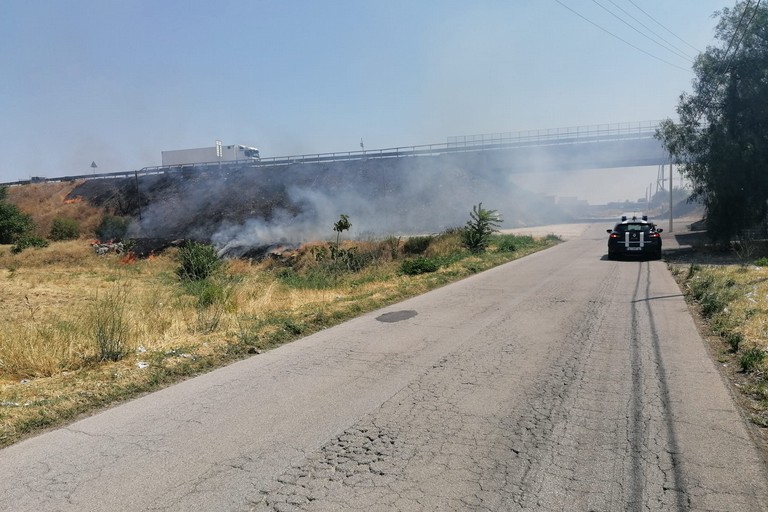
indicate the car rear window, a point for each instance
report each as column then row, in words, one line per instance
column 623, row 228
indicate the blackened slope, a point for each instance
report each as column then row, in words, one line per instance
column 381, row 196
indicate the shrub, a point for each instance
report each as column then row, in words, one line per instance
column 752, row 359
column 734, row 340
column 13, row 223
column 762, row 262
column 479, row 228
column 506, row 243
column 197, row 261
column 110, row 327
column 112, row 228
column 64, row 229
column 28, row 240
column 417, row 266
column 417, row 244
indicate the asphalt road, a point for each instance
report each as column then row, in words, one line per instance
column 562, row 381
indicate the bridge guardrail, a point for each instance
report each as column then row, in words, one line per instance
column 461, row 143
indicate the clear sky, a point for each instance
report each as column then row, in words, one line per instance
column 119, row 81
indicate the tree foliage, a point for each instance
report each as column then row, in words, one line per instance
column 721, row 139
column 13, row 222
column 481, row 225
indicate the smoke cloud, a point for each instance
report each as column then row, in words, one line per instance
column 301, row 202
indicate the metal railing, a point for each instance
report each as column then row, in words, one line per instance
column 567, row 135
column 462, row 143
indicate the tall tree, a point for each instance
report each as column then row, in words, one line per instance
column 721, row 139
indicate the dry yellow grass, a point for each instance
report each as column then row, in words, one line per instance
column 47, row 201
column 50, row 366
column 747, row 313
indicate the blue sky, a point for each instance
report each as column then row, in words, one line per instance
column 117, row 82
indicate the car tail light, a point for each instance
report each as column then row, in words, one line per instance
column 654, row 235
column 614, row 235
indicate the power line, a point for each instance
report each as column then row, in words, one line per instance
column 620, row 39
column 638, row 31
column 662, row 26
column 743, row 33
column 649, row 29
column 726, row 60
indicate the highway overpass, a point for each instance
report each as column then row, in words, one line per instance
column 552, row 149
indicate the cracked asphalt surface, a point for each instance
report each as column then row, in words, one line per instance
column 559, row 382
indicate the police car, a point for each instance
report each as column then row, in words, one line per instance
column 634, row 236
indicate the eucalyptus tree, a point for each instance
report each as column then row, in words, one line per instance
column 721, row 138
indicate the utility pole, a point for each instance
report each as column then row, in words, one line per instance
column 670, row 197
column 138, row 193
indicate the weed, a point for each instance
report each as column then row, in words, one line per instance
column 197, row 262
column 506, row 243
column 417, row 244
column 392, row 245
column 318, row 278
column 762, row 262
column 110, row 327
column 734, row 340
column 751, row 359
column 418, row 266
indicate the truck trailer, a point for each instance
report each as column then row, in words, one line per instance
column 233, row 153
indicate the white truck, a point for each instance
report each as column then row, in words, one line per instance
column 233, row 153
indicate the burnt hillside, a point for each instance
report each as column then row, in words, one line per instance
column 302, row 201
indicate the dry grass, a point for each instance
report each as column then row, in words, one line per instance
column 54, row 300
column 733, row 302
column 47, row 201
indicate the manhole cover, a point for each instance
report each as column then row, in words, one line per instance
column 396, row 316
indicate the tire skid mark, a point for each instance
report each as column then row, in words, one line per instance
column 640, row 433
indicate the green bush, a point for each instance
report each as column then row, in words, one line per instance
column 197, row 261
column 762, row 262
column 13, row 223
column 112, row 228
column 734, row 340
column 64, row 229
column 417, row 244
column 506, row 243
column 417, row 266
column 752, row 359
column 28, row 240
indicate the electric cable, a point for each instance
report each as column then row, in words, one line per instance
column 649, row 29
column 639, row 32
column 621, row 39
column 662, row 26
